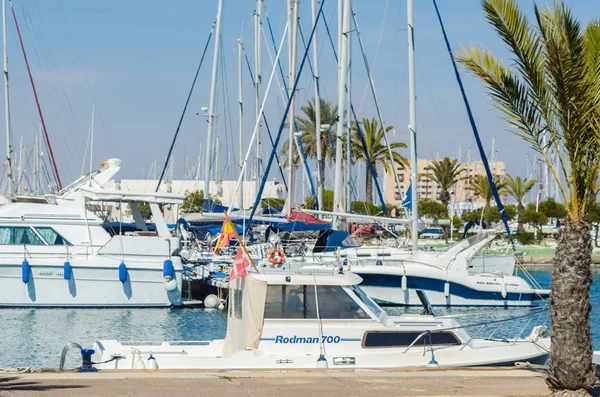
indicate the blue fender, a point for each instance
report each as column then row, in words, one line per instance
column 25, row 271
column 168, row 269
column 67, row 271
column 123, row 272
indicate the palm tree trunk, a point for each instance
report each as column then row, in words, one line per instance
column 369, row 184
column 520, row 211
column 445, row 199
column 571, row 352
column 322, row 170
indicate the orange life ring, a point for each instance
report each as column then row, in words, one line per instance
column 276, row 260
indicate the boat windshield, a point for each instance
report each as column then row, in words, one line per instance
column 364, row 298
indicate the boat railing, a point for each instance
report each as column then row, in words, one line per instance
column 534, row 316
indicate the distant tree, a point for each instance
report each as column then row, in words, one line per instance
column 518, row 188
column 364, row 208
column 481, row 186
column 309, row 202
column 144, row 210
column 594, row 219
column 307, row 125
column 272, row 202
column 193, row 202
column 446, row 173
column 374, row 137
column 456, row 222
column 431, row 209
column 538, row 219
column 552, row 209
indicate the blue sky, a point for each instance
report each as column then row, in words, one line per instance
column 134, row 61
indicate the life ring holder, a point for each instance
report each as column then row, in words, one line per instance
column 276, row 256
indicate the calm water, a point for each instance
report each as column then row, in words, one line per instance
column 35, row 337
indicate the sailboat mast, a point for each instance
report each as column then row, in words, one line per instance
column 241, row 120
column 412, row 127
column 292, row 56
column 343, row 70
column 317, row 109
column 348, row 124
column 257, row 86
column 211, row 105
column 9, row 168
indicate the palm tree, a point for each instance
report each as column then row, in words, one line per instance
column 518, row 188
column 445, row 173
column 307, row 125
column 552, row 87
column 481, row 186
column 378, row 153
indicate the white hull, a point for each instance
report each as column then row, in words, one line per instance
column 444, row 288
column 90, row 285
column 270, row 355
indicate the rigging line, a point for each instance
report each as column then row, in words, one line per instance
column 107, row 135
column 267, row 126
column 256, row 124
column 285, row 114
column 70, row 119
column 298, row 139
column 36, row 97
column 387, row 3
column 475, row 131
column 162, row 174
column 359, row 133
column 376, row 100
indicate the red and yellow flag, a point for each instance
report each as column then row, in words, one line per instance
column 227, row 233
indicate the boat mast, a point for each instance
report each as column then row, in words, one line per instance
column 343, row 73
column 349, row 124
column 211, row 105
column 317, row 108
column 241, row 120
column 412, row 127
column 257, row 86
column 9, row 168
column 293, row 39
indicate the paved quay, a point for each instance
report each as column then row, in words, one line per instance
column 305, row 383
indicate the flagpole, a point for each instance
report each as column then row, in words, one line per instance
column 241, row 242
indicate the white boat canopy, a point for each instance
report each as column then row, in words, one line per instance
column 130, row 197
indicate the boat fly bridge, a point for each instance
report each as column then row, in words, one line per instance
column 307, row 319
column 55, row 252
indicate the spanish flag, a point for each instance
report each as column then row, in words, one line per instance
column 227, row 233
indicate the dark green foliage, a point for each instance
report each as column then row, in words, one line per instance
column 432, row 209
column 272, row 202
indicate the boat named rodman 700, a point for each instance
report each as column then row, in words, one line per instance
column 285, row 319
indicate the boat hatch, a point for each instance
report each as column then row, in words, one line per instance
column 298, row 302
column 374, row 339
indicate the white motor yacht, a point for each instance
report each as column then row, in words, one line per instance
column 445, row 277
column 286, row 320
column 56, row 253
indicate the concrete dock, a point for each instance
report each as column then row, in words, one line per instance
column 305, row 383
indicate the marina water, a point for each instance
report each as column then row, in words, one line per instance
column 35, row 337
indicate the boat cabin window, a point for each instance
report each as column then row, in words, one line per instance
column 364, row 298
column 18, row 235
column 298, row 301
column 375, row 339
column 51, row 236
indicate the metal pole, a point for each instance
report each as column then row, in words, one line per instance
column 349, row 124
column 257, row 85
column 413, row 125
column 211, row 105
column 343, row 62
column 9, row 168
column 241, row 119
column 317, row 108
column 292, row 50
